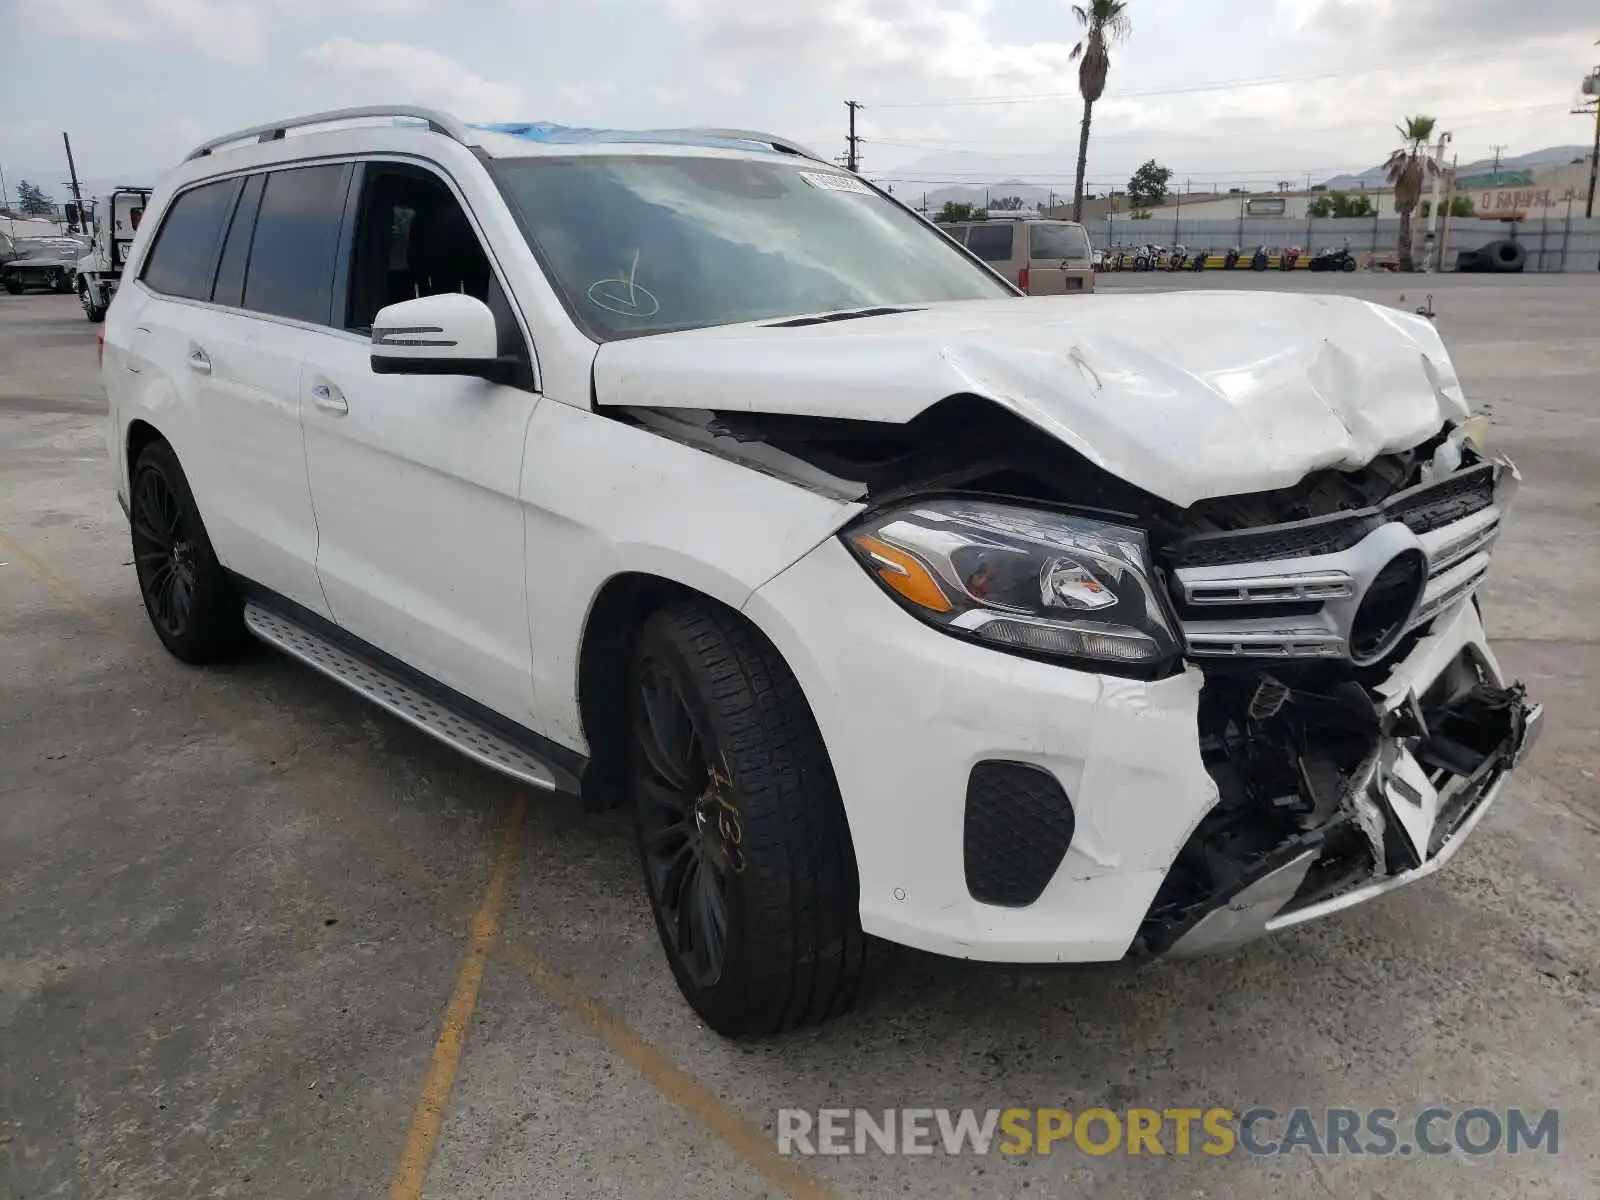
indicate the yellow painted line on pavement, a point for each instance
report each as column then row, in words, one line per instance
column 672, row 1081
column 423, row 1137
column 17, row 552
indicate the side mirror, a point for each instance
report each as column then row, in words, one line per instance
column 448, row 334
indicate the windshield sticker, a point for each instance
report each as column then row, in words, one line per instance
column 830, row 181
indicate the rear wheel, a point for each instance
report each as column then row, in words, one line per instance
column 188, row 596
column 741, row 832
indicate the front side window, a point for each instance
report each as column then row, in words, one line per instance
column 992, row 243
column 650, row 244
column 296, row 237
column 411, row 239
column 180, row 262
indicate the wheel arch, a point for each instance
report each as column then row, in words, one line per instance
column 619, row 610
column 616, row 614
column 139, row 434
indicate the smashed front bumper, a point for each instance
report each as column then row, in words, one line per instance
column 1445, row 731
column 910, row 714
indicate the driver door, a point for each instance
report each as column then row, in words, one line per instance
column 414, row 480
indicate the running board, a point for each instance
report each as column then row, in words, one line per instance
column 386, row 690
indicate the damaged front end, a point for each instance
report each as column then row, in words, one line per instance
column 1353, row 718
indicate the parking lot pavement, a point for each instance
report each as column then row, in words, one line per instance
column 258, row 939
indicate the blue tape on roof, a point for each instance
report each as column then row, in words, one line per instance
column 571, row 135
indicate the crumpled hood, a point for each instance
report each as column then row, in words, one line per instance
column 1187, row 395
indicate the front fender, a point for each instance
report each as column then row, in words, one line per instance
column 602, row 498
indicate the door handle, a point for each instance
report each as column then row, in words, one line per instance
column 199, row 361
column 326, row 396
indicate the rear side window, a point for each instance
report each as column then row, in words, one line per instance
column 992, row 243
column 296, row 238
column 1059, row 241
column 186, row 244
column 236, row 250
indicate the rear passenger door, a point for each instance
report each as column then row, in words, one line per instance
column 236, row 374
column 416, row 479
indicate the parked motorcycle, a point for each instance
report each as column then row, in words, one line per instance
column 1178, row 257
column 1117, row 259
column 1230, row 260
column 1333, row 259
column 1289, row 259
column 1144, row 258
column 1259, row 260
column 1199, row 263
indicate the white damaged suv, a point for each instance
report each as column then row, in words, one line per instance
column 688, row 472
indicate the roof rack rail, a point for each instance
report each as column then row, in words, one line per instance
column 788, row 145
column 437, row 121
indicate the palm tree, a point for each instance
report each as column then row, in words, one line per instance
column 1409, row 167
column 1104, row 22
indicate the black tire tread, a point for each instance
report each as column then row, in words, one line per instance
column 804, row 949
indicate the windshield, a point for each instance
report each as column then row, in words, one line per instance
column 654, row 243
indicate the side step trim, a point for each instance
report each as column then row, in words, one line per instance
column 392, row 694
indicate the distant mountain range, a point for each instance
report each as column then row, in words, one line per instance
column 1552, row 156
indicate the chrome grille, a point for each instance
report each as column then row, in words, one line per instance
column 1302, row 605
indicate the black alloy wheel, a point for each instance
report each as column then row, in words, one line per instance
column 191, row 600
column 163, row 554
column 688, row 833
column 741, row 831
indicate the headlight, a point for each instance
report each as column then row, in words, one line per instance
column 1026, row 580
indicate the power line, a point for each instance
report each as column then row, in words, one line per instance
column 911, row 142
column 1221, row 85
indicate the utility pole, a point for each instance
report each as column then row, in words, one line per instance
column 1433, row 205
column 1496, row 172
column 1591, row 87
column 1449, row 200
column 77, row 197
column 853, row 153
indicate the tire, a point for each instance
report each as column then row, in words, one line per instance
column 739, row 824
column 94, row 312
column 1348, row 265
column 1506, row 256
column 190, row 599
column 13, row 286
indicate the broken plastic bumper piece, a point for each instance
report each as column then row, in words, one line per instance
column 1440, row 750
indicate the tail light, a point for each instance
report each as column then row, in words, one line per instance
column 1022, row 279
column 100, row 346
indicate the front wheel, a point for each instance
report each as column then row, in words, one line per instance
column 746, row 852
column 1349, row 265
column 190, row 599
column 13, row 286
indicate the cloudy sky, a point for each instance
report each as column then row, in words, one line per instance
column 1224, row 91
